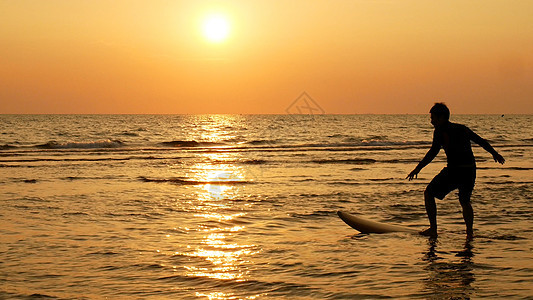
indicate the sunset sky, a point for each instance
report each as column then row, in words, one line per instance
column 258, row 56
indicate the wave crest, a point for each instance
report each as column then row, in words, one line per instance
column 82, row 145
column 190, row 144
column 194, row 182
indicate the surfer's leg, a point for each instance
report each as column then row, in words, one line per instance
column 468, row 216
column 465, row 192
column 431, row 210
column 439, row 187
column 468, row 212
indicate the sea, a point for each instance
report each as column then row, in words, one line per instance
column 245, row 207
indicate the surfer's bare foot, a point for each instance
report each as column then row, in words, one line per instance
column 432, row 232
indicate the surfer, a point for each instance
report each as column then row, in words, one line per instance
column 460, row 172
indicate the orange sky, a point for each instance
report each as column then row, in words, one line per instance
column 366, row 56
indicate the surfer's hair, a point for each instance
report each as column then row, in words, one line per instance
column 440, row 110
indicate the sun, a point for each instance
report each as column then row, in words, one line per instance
column 216, row 28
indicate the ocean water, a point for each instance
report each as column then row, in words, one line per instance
column 244, row 207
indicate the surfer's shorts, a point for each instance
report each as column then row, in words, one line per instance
column 449, row 179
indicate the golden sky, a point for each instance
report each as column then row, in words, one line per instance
column 350, row 56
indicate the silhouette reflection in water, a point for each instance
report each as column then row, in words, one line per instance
column 449, row 280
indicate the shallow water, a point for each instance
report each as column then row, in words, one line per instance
column 244, row 207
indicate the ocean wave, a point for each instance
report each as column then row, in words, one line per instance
column 374, row 138
column 7, row 147
column 254, row 162
column 239, row 161
column 9, row 166
column 127, row 133
column 506, row 182
column 506, row 168
column 187, row 144
column 255, row 145
column 81, row 145
column 358, row 169
column 381, row 179
column 108, row 177
column 262, row 142
column 339, row 135
column 355, row 161
column 356, row 139
column 183, row 181
column 354, row 143
column 314, row 215
column 79, row 159
column 401, row 160
column 342, row 146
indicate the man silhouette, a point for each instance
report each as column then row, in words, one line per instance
column 460, row 172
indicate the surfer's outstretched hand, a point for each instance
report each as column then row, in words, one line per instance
column 413, row 174
column 498, row 158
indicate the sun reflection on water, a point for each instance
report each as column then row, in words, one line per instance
column 219, row 296
column 220, row 175
column 226, row 259
column 217, row 217
column 216, row 128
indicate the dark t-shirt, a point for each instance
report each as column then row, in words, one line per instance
column 455, row 140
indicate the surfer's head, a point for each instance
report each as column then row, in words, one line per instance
column 440, row 114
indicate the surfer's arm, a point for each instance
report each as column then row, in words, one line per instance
column 430, row 155
column 485, row 145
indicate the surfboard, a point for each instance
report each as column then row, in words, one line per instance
column 366, row 226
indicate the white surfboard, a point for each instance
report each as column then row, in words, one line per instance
column 367, row 226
